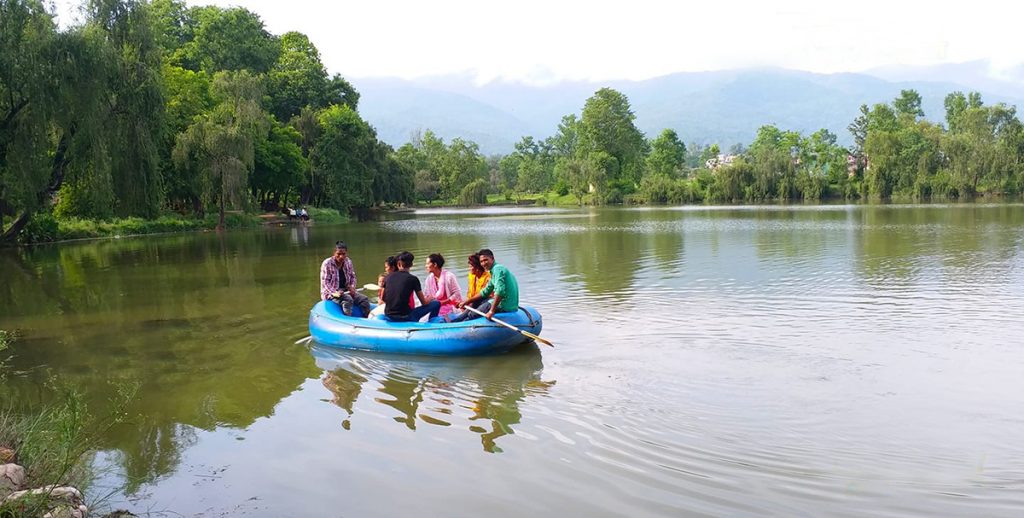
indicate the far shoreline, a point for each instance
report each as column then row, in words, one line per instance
column 272, row 220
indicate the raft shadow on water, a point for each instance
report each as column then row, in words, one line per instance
column 482, row 393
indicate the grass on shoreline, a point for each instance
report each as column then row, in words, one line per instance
column 45, row 228
column 55, row 443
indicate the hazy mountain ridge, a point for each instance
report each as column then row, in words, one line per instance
column 723, row 107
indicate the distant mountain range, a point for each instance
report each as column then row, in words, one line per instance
column 724, row 107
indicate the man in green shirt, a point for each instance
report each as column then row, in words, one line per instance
column 502, row 284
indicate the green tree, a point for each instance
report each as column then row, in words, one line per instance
column 709, row 153
column 427, row 188
column 508, row 171
column 730, row 182
column 668, row 155
column 565, row 143
column 395, row 182
column 908, row 104
column 460, row 165
column 298, row 78
column 474, row 193
column 39, row 111
column 956, row 105
column 822, row 157
column 535, row 168
column 340, row 91
column 221, row 144
column 188, row 97
column 423, row 156
column 307, row 123
column 344, row 157
column 81, row 107
column 579, row 174
column 900, row 150
column 170, row 22
column 607, row 126
column 229, row 39
column 278, row 165
column 983, row 152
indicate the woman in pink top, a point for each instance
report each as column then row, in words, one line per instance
column 442, row 285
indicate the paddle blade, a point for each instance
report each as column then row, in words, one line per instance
column 537, row 338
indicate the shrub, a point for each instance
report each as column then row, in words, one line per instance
column 41, row 228
column 612, row 195
column 475, row 193
column 561, row 188
column 324, row 215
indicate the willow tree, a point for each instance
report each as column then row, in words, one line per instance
column 220, row 146
column 80, row 111
column 125, row 153
column 50, row 101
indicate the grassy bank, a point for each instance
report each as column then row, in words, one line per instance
column 45, row 228
column 552, row 199
column 326, row 215
column 55, row 443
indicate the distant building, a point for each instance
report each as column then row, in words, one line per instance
column 855, row 163
column 720, row 161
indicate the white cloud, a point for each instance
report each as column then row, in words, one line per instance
column 546, row 40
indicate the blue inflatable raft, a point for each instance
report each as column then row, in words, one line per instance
column 328, row 325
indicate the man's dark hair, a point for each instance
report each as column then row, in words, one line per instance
column 392, row 262
column 406, row 258
column 437, row 259
column 487, row 252
column 340, row 245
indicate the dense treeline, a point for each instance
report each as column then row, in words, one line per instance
column 601, row 157
column 150, row 107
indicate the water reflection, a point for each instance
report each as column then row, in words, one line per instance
column 715, row 357
column 188, row 319
column 480, row 394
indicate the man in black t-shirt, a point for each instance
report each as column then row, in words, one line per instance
column 398, row 287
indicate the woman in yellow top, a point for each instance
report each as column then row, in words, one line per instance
column 478, row 278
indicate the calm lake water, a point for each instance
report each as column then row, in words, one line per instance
column 840, row 360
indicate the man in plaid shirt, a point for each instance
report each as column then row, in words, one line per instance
column 338, row 281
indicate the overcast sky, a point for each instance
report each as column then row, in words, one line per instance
column 541, row 41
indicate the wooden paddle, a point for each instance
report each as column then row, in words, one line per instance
column 510, row 326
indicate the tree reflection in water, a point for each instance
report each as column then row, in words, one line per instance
column 485, row 392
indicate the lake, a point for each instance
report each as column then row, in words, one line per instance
column 786, row 360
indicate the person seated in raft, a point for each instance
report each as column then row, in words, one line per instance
column 390, row 266
column 399, row 286
column 478, row 278
column 502, row 284
column 338, row 281
column 442, row 285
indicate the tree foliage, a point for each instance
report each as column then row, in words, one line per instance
column 146, row 107
column 607, row 126
column 221, row 145
column 668, row 155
